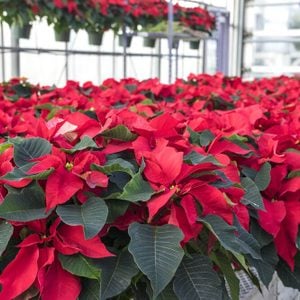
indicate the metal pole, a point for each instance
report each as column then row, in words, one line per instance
column 204, row 57
column 15, row 56
column 67, row 61
column 2, row 52
column 170, row 37
column 159, row 60
column 114, row 57
column 176, row 61
column 99, row 66
column 124, row 51
column 124, row 48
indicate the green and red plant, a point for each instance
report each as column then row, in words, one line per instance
column 143, row 190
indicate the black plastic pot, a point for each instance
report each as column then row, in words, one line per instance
column 194, row 45
column 149, row 42
column 22, row 32
column 175, row 44
column 128, row 40
column 62, row 36
column 95, row 38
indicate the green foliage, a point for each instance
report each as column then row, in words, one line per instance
column 202, row 139
column 288, row 277
column 263, row 177
column 6, row 231
column 25, row 204
column 29, row 149
column 224, row 263
column 252, row 196
column 233, row 238
column 157, row 252
column 116, row 274
column 91, row 215
column 196, row 279
column 80, row 266
column 85, row 143
column 120, row 132
column 195, row 158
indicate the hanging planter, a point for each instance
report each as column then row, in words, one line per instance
column 194, row 45
column 128, row 40
column 22, row 31
column 95, row 38
column 62, row 36
column 149, row 42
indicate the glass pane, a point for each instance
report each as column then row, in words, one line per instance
column 211, row 63
column 272, row 19
column 273, row 58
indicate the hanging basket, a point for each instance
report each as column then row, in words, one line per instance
column 95, row 38
column 128, row 40
column 22, row 32
column 62, row 36
column 149, row 42
column 194, row 45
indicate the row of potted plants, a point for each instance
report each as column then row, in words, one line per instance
column 143, row 190
column 98, row 16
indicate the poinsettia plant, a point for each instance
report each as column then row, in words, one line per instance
column 143, row 190
column 18, row 13
column 100, row 15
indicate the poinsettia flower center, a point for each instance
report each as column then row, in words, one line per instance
column 69, row 166
column 176, row 187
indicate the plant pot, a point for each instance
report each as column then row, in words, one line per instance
column 128, row 40
column 149, row 42
column 194, row 45
column 95, row 38
column 62, row 36
column 22, row 32
column 175, row 44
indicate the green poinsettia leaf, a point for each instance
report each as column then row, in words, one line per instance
column 157, row 252
column 203, row 138
column 116, row 208
column 248, row 244
column 288, row 277
column 6, row 231
column 116, row 274
column 25, row 204
column 91, row 215
column 196, row 279
column 79, row 265
column 232, row 238
column 18, row 173
column 115, row 165
column 252, row 196
column 263, row 177
column 29, row 149
column 168, row 293
column 137, row 189
column 224, row 263
column 21, row 173
column 195, row 158
column 89, row 290
column 120, row 132
column 85, row 143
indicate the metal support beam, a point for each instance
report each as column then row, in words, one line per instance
column 104, row 53
column 2, row 52
column 237, row 7
column 170, row 37
column 15, row 56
